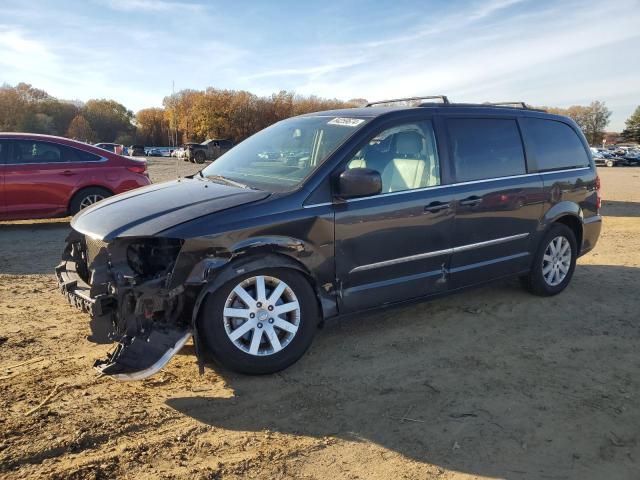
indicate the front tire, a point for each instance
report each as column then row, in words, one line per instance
column 609, row 163
column 260, row 322
column 554, row 263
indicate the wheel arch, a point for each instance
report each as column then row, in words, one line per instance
column 575, row 224
column 569, row 214
column 223, row 270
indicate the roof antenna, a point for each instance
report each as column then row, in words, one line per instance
column 175, row 126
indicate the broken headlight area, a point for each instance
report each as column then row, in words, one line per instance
column 127, row 281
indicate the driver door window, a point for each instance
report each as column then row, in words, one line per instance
column 405, row 156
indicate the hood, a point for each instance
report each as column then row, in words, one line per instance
column 149, row 210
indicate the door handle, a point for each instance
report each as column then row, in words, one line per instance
column 471, row 201
column 67, row 173
column 434, row 207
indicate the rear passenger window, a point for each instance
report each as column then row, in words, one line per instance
column 486, row 148
column 554, row 145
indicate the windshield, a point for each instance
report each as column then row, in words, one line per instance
column 281, row 156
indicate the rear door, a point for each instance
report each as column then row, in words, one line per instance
column 498, row 204
column 40, row 177
column 3, row 152
column 395, row 245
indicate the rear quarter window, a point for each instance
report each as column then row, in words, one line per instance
column 554, row 145
column 485, row 148
column 76, row 155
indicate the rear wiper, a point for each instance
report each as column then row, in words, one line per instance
column 226, row 180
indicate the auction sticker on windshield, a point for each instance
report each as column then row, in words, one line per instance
column 346, row 122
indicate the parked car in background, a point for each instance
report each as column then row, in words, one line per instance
column 207, row 150
column 183, row 150
column 333, row 213
column 136, row 151
column 601, row 157
column 112, row 147
column 44, row 176
column 154, row 152
column 632, row 157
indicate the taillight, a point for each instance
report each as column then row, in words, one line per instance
column 137, row 168
column 598, row 193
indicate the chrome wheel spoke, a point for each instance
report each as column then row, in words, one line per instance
column 261, row 296
column 285, row 308
column 242, row 329
column 277, row 293
column 237, row 312
column 244, row 296
column 273, row 339
column 284, row 325
column 255, row 341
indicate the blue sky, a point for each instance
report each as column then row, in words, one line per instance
column 543, row 52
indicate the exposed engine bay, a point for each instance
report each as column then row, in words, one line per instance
column 127, row 282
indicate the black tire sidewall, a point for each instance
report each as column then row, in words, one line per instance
column 538, row 283
column 199, row 157
column 214, row 336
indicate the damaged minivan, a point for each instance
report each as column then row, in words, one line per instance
column 328, row 214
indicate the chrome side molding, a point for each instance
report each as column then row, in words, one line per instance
column 436, row 253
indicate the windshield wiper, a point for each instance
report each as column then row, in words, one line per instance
column 226, row 180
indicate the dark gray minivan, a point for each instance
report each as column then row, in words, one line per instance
column 328, row 214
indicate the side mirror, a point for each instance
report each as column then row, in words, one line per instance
column 359, row 182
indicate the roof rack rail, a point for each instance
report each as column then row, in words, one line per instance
column 442, row 98
column 509, row 104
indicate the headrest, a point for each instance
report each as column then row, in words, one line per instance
column 408, row 143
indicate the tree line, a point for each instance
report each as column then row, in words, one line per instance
column 195, row 115
column 24, row 108
column 187, row 116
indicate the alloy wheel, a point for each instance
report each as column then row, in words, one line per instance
column 261, row 315
column 90, row 200
column 556, row 261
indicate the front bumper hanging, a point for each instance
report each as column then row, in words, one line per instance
column 146, row 318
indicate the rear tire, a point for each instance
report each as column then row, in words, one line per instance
column 86, row 197
column 294, row 329
column 199, row 157
column 609, row 163
column 554, row 263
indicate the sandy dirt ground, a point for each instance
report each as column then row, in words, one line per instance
column 490, row 383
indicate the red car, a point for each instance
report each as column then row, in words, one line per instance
column 44, row 176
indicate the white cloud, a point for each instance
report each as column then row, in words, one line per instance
column 151, row 5
column 489, row 55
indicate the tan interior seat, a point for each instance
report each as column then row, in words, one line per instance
column 407, row 168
